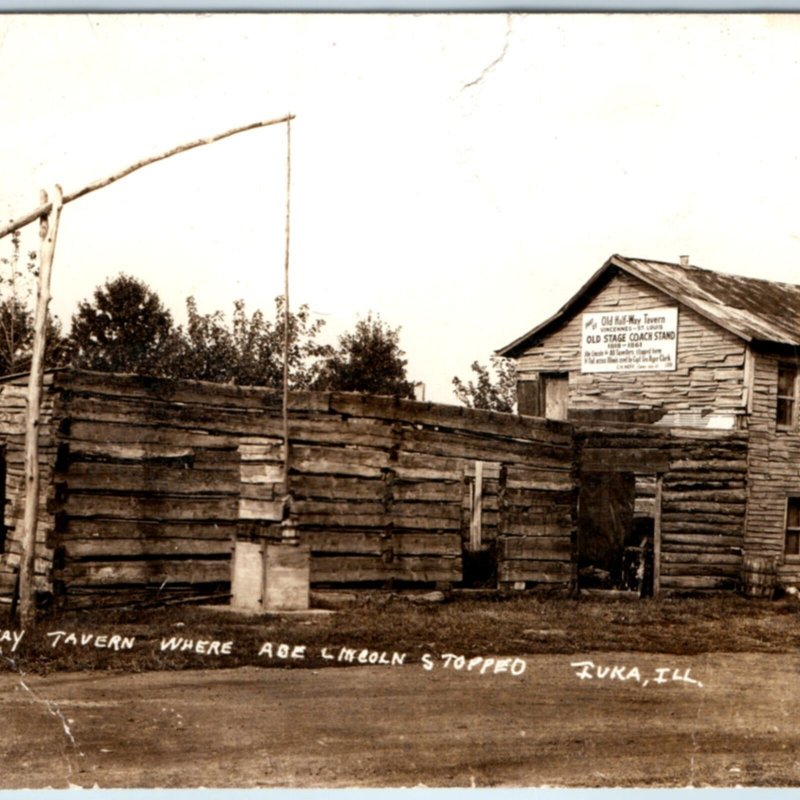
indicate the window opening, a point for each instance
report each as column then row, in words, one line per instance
column 787, row 396
column 792, row 544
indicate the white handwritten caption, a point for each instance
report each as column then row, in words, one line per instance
column 14, row 637
column 279, row 651
column 588, row 670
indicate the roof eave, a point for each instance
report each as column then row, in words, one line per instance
column 514, row 348
column 624, row 264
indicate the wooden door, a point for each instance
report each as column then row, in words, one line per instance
column 556, row 395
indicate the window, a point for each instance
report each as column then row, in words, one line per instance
column 792, row 547
column 787, row 396
column 545, row 395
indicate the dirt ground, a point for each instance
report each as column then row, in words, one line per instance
column 405, row 726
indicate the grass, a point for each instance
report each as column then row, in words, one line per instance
column 510, row 625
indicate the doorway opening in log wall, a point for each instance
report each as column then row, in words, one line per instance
column 616, row 531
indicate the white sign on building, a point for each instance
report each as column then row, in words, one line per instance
column 629, row 341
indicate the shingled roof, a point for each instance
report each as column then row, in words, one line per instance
column 755, row 310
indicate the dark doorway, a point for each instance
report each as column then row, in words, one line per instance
column 615, row 541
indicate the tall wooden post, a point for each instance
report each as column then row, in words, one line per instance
column 288, row 528
column 48, row 230
column 657, row 535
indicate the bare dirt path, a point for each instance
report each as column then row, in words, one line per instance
column 404, row 726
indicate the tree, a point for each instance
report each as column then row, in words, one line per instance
column 16, row 314
column 125, row 328
column 368, row 359
column 249, row 351
column 495, row 387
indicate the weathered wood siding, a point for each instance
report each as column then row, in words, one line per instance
column 710, row 362
column 13, row 403
column 704, row 496
column 774, row 471
column 152, row 479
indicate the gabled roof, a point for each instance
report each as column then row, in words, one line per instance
column 754, row 310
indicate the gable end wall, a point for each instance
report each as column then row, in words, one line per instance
column 709, row 376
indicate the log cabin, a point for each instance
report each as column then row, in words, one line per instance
column 675, row 347
column 154, row 488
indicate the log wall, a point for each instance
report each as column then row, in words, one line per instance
column 13, row 402
column 710, row 363
column 704, row 495
column 151, row 481
column 147, row 483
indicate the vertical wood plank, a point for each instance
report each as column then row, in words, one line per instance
column 247, row 575
column 657, row 536
column 475, row 529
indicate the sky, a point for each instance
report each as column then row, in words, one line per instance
column 459, row 175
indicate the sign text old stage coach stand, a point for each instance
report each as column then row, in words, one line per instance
column 49, row 214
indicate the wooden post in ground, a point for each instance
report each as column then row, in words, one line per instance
column 657, row 536
column 288, row 531
column 48, row 230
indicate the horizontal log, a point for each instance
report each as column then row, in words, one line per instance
column 674, row 518
column 145, row 434
column 343, row 520
column 557, row 527
column 260, row 449
column 149, row 572
column 309, row 401
column 329, row 487
column 456, row 445
column 619, row 460
column 108, row 548
column 163, row 507
column 155, row 478
column 166, row 389
column 445, row 544
column 77, row 528
column 698, row 582
column 441, row 491
column 730, row 528
column 137, row 411
column 258, row 491
column 354, row 569
column 701, row 570
column 261, row 473
column 333, row 430
column 545, row 548
column 361, row 520
column 706, row 549
column 728, row 466
column 125, row 452
column 361, row 542
column 451, row 417
column 535, row 571
column 536, row 498
column 250, row 509
column 669, row 557
column 375, row 543
column 338, row 461
column 701, row 507
column 437, row 510
column 336, row 509
column 706, row 495
column 538, row 515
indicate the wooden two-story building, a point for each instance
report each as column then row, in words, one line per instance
column 672, row 345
